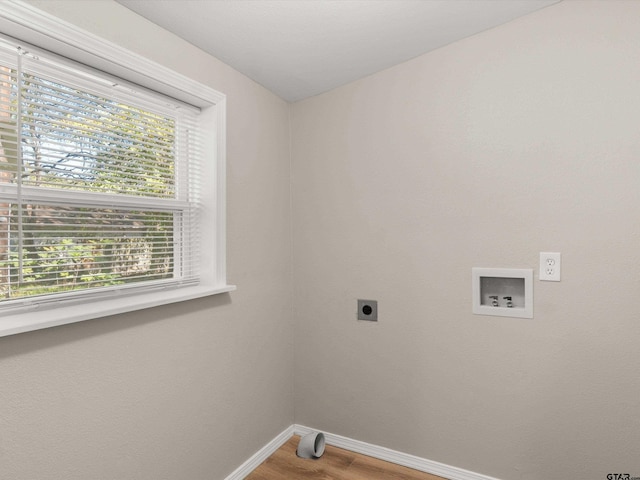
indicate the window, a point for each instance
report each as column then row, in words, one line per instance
column 101, row 205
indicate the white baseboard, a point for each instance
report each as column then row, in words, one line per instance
column 261, row 455
column 375, row 451
column 393, row 456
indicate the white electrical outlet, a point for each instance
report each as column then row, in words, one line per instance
column 550, row 266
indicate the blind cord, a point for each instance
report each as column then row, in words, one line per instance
column 19, row 165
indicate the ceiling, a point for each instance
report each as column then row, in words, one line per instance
column 300, row 48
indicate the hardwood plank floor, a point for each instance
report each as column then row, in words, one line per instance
column 335, row 464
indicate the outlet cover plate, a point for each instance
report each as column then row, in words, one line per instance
column 368, row 310
column 550, row 263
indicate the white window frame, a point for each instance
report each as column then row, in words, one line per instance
column 29, row 24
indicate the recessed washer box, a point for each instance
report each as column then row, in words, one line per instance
column 503, row 292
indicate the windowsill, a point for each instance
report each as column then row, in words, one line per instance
column 26, row 320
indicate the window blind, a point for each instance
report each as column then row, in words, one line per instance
column 99, row 183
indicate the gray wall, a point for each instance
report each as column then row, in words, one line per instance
column 525, row 138
column 189, row 391
column 518, row 140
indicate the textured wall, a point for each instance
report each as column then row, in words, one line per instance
column 522, row 139
column 483, row 153
column 187, row 391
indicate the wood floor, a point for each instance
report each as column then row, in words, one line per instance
column 335, row 464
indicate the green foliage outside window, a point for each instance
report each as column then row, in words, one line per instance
column 79, row 141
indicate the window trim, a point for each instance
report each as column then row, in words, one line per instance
column 34, row 26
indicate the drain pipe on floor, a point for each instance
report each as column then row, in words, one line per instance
column 311, row 445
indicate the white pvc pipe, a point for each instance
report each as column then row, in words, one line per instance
column 311, row 445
